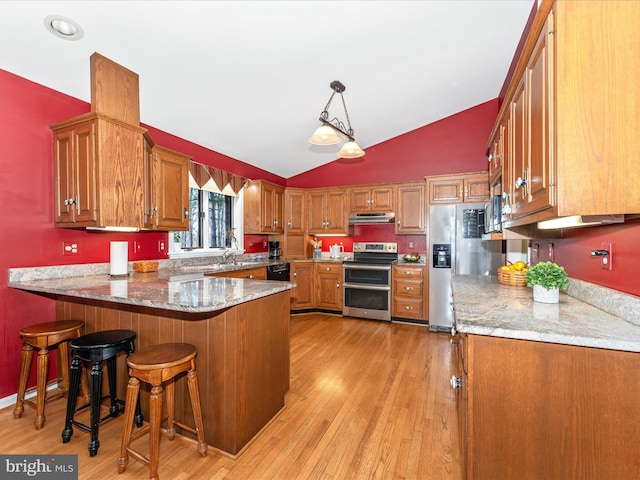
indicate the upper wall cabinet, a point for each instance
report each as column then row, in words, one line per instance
column 459, row 188
column 107, row 173
column 98, row 173
column 263, row 206
column 376, row 198
column 166, row 189
column 411, row 217
column 295, row 211
column 571, row 114
column 328, row 211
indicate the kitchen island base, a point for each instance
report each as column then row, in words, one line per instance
column 242, row 362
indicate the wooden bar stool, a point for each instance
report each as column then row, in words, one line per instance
column 156, row 365
column 96, row 348
column 42, row 337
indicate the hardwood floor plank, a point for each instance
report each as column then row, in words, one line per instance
column 368, row 400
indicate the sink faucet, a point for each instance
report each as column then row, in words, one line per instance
column 228, row 257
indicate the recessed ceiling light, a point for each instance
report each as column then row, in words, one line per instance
column 63, row 27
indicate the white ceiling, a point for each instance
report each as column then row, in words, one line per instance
column 249, row 78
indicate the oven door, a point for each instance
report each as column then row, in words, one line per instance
column 367, row 301
column 359, row 274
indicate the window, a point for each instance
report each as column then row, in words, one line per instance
column 211, row 223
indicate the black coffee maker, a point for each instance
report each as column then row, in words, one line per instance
column 274, row 250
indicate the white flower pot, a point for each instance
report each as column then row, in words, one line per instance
column 542, row 295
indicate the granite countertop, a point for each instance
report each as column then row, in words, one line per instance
column 169, row 289
column 485, row 307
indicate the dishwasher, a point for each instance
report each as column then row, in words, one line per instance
column 279, row 271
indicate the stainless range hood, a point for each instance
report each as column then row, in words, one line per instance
column 371, row 218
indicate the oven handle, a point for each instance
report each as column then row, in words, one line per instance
column 351, row 266
column 361, row 286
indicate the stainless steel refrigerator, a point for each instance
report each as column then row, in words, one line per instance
column 456, row 247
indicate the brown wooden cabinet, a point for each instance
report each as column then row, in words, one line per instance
column 328, row 211
column 541, row 410
column 295, row 211
column 263, row 208
column 98, row 173
column 573, row 147
column 470, row 187
column 303, row 295
column 166, row 189
column 373, row 198
column 329, row 285
column 409, row 292
column 411, row 217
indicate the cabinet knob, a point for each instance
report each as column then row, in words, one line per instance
column 69, row 201
column 249, row 276
column 338, row 285
column 328, row 269
column 398, row 222
column 408, row 288
column 186, row 212
column 295, row 274
column 455, row 382
column 407, row 307
column 453, row 342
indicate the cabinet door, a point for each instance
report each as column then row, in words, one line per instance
column 446, row 190
column 410, row 209
column 295, row 211
column 294, row 246
column 476, row 188
column 382, row 199
column 74, row 158
column 540, row 161
column 317, row 212
column 519, row 141
column 360, row 200
column 278, row 209
column 337, row 216
column 172, row 189
column 302, row 296
column 329, row 286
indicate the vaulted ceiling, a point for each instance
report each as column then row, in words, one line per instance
column 249, row 78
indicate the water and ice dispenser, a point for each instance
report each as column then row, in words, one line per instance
column 441, row 255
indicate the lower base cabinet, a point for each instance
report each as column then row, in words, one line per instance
column 329, row 286
column 409, row 293
column 302, row 296
column 535, row 410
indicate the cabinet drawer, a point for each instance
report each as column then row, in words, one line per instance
column 335, row 268
column 408, row 308
column 408, row 288
column 409, row 272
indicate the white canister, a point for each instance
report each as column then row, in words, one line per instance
column 119, row 258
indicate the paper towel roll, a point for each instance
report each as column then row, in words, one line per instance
column 119, row 258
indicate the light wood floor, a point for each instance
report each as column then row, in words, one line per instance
column 367, row 400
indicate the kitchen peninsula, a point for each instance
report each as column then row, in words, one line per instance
column 240, row 328
column 546, row 390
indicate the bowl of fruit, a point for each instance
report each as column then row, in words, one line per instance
column 513, row 274
column 411, row 257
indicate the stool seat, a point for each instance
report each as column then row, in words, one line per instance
column 158, row 365
column 41, row 337
column 96, row 348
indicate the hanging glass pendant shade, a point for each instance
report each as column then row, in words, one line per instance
column 350, row 150
column 324, row 136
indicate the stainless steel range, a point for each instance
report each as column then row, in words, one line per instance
column 367, row 281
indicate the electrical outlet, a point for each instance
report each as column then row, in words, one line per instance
column 69, row 248
column 161, row 246
column 411, row 245
column 551, row 252
column 136, row 246
column 607, row 260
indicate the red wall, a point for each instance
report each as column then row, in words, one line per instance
column 26, row 199
column 573, row 253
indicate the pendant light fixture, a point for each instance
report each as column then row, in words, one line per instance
column 327, row 133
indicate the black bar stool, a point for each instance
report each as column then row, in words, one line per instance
column 97, row 348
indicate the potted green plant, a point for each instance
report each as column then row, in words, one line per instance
column 547, row 278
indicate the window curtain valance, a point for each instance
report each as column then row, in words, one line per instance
column 215, row 180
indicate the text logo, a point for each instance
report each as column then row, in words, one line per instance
column 39, row 467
